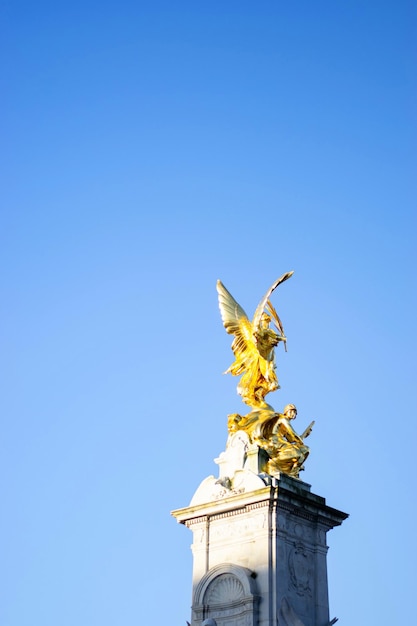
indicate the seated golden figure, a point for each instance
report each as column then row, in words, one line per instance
column 286, row 450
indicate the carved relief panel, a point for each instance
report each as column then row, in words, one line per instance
column 227, row 595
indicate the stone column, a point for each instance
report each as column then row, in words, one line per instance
column 259, row 551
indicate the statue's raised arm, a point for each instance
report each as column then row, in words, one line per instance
column 253, row 344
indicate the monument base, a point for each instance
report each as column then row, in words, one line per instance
column 259, row 549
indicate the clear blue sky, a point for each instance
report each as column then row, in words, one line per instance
column 149, row 149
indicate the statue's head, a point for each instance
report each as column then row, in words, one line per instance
column 290, row 411
column 265, row 320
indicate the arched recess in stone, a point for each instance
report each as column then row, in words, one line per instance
column 227, row 594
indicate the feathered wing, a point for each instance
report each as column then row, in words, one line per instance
column 265, row 303
column 236, row 323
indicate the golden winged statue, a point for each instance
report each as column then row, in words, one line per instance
column 253, row 344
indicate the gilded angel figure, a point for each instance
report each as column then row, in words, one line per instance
column 253, row 344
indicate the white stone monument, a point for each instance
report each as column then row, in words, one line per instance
column 259, row 534
column 259, row 548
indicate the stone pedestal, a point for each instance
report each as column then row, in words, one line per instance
column 259, row 548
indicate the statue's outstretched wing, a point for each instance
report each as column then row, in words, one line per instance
column 265, row 303
column 236, row 323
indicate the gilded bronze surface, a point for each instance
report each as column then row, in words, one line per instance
column 254, row 346
column 286, row 450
